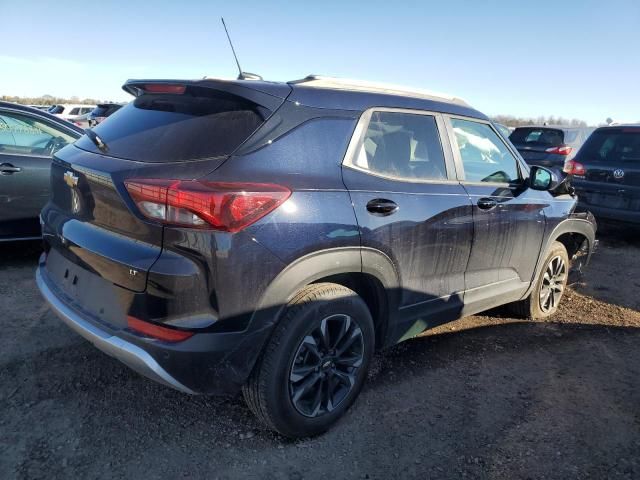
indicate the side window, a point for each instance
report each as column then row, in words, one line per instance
column 402, row 145
column 484, row 155
column 75, row 111
column 25, row 135
column 6, row 137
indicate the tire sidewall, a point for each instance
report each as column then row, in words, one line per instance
column 305, row 320
column 557, row 249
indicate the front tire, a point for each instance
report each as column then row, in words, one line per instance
column 315, row 363
column 549, row 287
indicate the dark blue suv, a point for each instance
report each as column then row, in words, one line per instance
column 225, row 235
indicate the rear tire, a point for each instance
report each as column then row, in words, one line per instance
column 315, row 363
column 549, row 286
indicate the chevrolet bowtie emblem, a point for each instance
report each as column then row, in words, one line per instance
column 70, row 179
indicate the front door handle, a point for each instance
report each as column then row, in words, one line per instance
column 382, row 207
column 8, row 169
column 487, row 204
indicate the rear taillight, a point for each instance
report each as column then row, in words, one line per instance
column 157, row 331
column 561, row 150
column 572, row 167
column 229, row 207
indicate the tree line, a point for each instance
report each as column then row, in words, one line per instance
column 512, row 121
column 49, row 100
column 508, row 120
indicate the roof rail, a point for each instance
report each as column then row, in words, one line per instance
column 320, row 81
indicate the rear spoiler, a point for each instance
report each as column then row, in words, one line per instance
column 250, row 89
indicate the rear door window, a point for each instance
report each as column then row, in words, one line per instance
column 402, row 146
column 615, row 145
column 199, row 123
column 551, row 137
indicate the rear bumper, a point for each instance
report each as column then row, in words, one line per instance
column 604, row 213
column 128, row 353
column 208, row 363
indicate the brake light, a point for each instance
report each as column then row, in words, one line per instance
column 157, row 331
column 164, row 88
column 572, row 167
column 561, row 150
column 229, row 207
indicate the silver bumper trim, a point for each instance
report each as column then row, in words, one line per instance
column 128, row 353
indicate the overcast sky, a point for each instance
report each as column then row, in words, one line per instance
column 576, row 59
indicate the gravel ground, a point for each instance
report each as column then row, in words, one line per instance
column 484, row 397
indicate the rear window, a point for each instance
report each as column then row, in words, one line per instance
column 537, row 136
column 613, row 145
column 201, row 123
column 56, row 109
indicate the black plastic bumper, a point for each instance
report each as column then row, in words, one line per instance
column 613, row 214
column 209, row 363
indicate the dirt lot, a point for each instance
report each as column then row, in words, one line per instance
column 486, row 397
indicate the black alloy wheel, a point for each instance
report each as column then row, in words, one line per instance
column 325, row 365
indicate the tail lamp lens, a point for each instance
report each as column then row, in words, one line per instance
column 164, row 88
column 228, row 207
column 561, row 150
column 572, row 167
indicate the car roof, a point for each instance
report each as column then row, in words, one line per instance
column 75, row 104
column 345, row 94
column 40, row 113
column 618, row 125
column 342, row 94
column 556, row 127
column 348, row 84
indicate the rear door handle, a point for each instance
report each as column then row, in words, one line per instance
column 8, row 169
column 487, row 204
column 382, row 207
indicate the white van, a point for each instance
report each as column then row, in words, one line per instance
column 70, row 110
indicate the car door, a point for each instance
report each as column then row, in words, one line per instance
column 508, row 217
column 27, row 144
column 410, row 207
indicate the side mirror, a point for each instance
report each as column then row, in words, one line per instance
column 541, row 178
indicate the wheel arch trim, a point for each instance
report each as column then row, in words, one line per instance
column 584, row 226
column 324, row 263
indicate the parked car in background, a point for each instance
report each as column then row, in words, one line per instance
column 549, row 146
column 225, row 235
column 81, row 121
column 101, row 112
column 69, row 110
column 28, row 140
column 606, row 173
column 41, row 107
column 504, row 130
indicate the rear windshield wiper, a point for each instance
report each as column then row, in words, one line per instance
column 96, row 139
